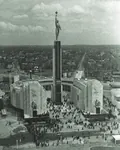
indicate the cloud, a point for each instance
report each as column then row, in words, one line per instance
column 20, row 16
column 105, row 33
column 35, row 28
column 76, row 9
column 48, row 10
column 76, row 31
column 106, row 6
column 50, row 7
column 30, row 28
column 1, row 1
column 86, row 17
column 98, row 21
column 111, row 6
column 6, row 26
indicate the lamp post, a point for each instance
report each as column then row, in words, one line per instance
column 30, row 74
column 17, row 143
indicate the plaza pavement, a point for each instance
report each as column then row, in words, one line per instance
column 7, row 130
column 72, row 145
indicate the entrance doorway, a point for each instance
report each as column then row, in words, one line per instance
column 34, row 113
column 97, row 110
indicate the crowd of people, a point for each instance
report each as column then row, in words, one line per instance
column 69, row 118
column 72, row 118
column 61, row 140
column 108, row 105
column 68, row 115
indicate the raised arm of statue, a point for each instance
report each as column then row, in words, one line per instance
column 57, row 25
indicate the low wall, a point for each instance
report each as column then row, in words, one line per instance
column 27, row 137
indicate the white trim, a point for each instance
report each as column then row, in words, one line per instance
column 116, row 137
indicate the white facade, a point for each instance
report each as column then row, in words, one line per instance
column 26, row 100
column 83, row 93
column 116, row 97
column 88, row 95
column 78, row 95
column 38, row 95
column 79, row 74
column 16, row 78
column 116, row 139
column 23, row 94
column 16, row 95
column 97, row 95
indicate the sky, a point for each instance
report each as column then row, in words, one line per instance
column 32, row 22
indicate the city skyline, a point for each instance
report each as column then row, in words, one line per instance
column 27, row 22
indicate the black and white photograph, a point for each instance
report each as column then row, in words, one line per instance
column 60, row 74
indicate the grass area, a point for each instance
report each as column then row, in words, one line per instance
column 74, row 147
column 105, row 148
column 60, row 147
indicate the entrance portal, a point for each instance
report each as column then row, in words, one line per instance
column 34, row 113
column 97, row 110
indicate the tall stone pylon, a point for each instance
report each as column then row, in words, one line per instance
column 57, row 72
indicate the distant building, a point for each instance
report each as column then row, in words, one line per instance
column 116, row 76
column 116, row 139
column 9, row 78
column 115, row 92
column 79, row 75
column 9, row 66
column 1, row 94
column 65, row 75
